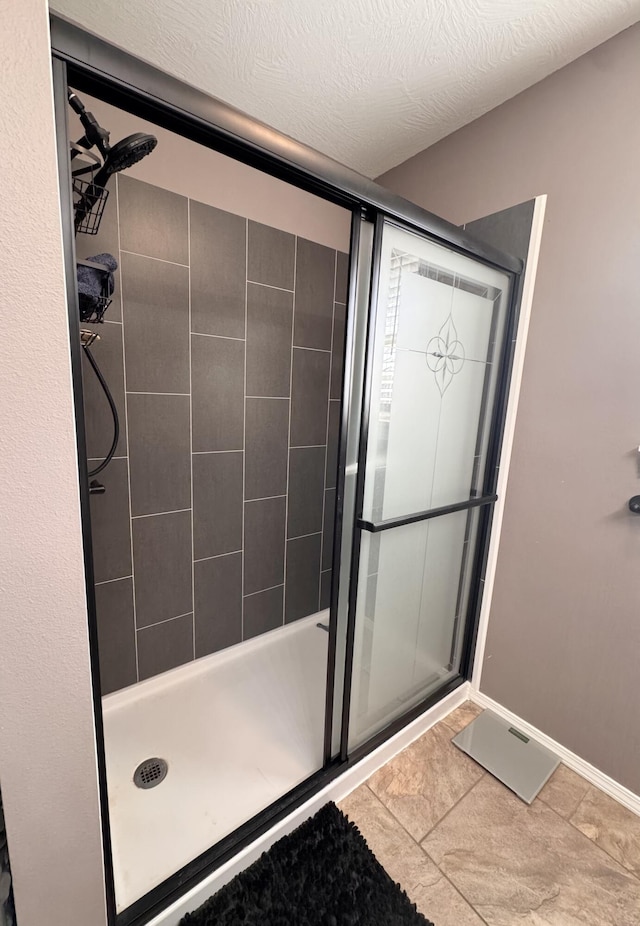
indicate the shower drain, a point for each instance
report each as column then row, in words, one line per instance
column 150, row 773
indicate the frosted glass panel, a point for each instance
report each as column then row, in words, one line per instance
column 439, row 333
column 412, row 598
column 439, row 329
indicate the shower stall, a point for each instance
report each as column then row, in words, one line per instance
column 286, row 531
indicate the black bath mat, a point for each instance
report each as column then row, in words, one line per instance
column 322, row 874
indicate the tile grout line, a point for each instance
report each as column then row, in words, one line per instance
column 286, row 501
column 569, row 820
column 199, row 453
column 157, row 514
column 162, row 260
column 165, row 621
column 100, row 459
column 205, row 559
column 117, row 579
column 244, row 418
column 134, row 392
column 302, row 536
column 282, row 289
column 126, row 419
column 424, row 852
column 261, row 590
column 265, row 498
column 326, row 431
column 221, row 337
column 462, row 796
column 317, row 350
column 456, row 889
column 193, row 551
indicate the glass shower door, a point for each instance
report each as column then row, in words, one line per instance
column 439, row 325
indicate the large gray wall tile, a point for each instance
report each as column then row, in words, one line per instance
column 153, row 221
column 157, row 228
column 110, row 524
column 217, row 383
column 116, row 635
column 267, row 439
column 218, row 271
column 162, row 566
column 165, row 646
column 107, row 353
column 218, row 594
column 315, row 270
column 269, row 321
column 262, row 612
column 342, row 276
column 271, row 256
column 306, row 490
column 328, row 528
column 155, row 308
column 263, row 544
column 303, row 577
column 217, row 503
column 309, row 397
column 159, row 453
column 337, row 349
column 333, row 438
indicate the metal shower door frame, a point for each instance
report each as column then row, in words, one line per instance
column 484, row 503
column 94, row 66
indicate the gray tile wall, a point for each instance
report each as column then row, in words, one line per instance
column 224, row 352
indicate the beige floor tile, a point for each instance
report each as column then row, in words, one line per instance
column 405, row 862
column 462, row 716
column 422, row 783
column 523, row 864
column 564, row 791
column 612, row 827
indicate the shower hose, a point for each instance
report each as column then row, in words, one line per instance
column 114, row 412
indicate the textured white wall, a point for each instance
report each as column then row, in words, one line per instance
column 369, row 82
column 47, row 750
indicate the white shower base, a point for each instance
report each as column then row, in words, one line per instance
column 238, row 729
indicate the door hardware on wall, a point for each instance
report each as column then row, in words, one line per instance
column 634, row 504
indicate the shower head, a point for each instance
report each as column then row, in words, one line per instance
column 122, row 155
column 125, row 154
column 115, row 158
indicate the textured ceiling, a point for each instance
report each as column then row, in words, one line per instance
column 369, row 82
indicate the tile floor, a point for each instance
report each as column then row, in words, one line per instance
column 468, row 852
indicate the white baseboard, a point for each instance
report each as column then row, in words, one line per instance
column 335, row 791
column 593, row 775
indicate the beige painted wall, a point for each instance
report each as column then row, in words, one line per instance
column 563, row 647
column 187, row 168
column 47, row 749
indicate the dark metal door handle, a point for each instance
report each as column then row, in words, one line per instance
column 634, row 504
